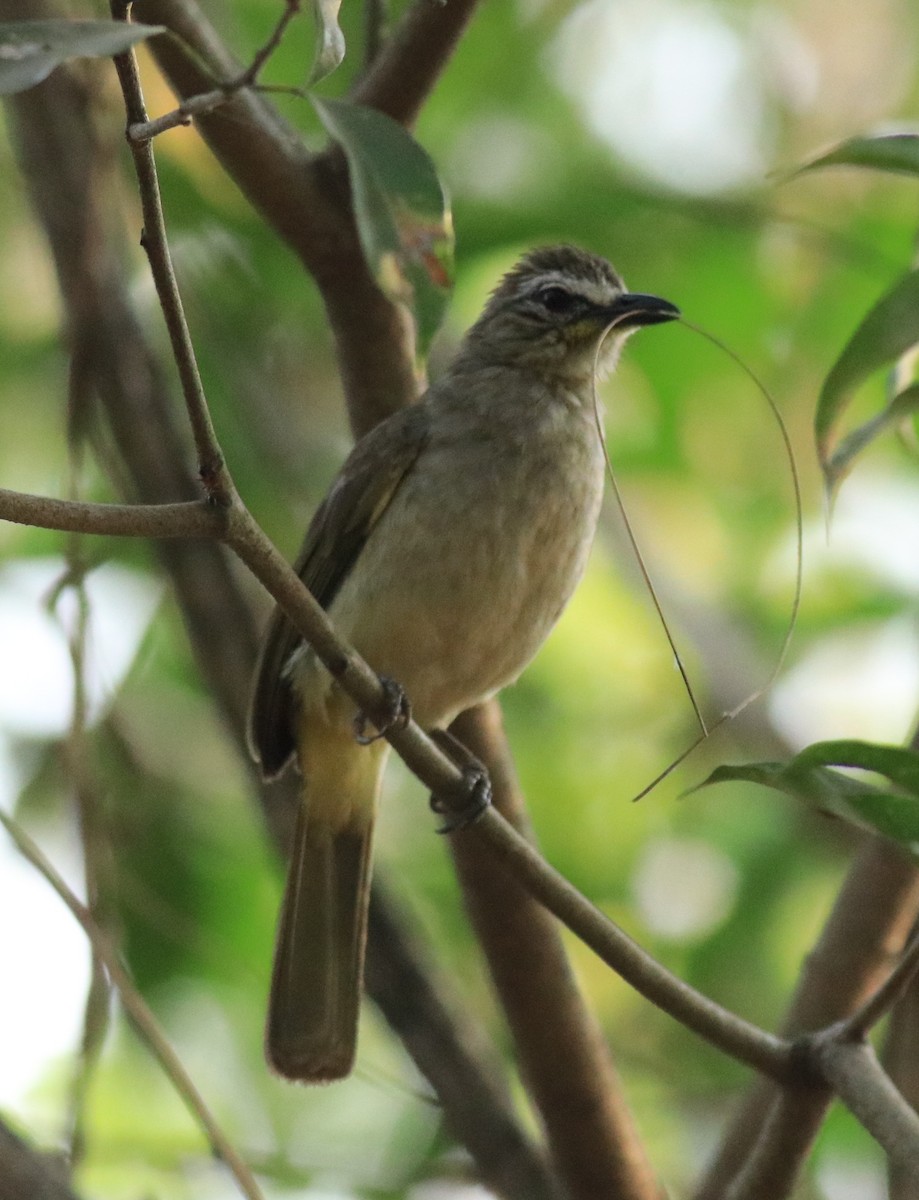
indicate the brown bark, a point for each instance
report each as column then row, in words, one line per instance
column 772, row 1132
column 901, row 1058
column 563, row 1057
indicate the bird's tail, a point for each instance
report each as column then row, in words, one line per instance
column 319, row 958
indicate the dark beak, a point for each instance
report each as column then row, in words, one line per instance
column 634, row 308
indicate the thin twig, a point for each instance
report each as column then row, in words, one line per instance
column 304, row 199
column 205, row 102
column 792, row 463
column 194, row 106
column 251, row 73
column 764, row 687
column 211, row 467
column 141, row 1017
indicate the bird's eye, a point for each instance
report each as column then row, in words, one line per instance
column 556, row 299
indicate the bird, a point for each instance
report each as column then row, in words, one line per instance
column 444, row 551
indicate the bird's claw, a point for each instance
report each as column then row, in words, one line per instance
column 395, row 713
column 472, row 796
column 477, row 790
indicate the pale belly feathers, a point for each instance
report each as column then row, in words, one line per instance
column 453, row 600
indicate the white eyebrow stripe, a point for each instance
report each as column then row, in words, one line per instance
column 585, row 289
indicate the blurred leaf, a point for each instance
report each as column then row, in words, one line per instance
column 840, row 461
column 889, row 330
column 897, row 152
column 30, row 50
column 331, row 48
column 402, row 214
column 892, row 811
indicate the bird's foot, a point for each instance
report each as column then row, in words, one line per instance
column 472, row 796
column 394, row 713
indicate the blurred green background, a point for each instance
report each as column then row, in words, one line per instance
column 655, row 133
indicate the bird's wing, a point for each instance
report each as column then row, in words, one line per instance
column 366, row 484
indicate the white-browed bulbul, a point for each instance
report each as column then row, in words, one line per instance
column 444, row 552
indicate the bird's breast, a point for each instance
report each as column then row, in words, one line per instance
column 472, row 564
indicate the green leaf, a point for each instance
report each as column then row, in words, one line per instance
column 901, row 766
column 891, row 810
column 888, row 331
column 402, row 214
column 30, row 50
column 897, row 152
column 330, row 50
column 839, row 463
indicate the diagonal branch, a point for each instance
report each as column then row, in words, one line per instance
column 140, row 1016
column 425, row 758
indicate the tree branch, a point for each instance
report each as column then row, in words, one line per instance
column 853, row 1070
column 583, row 1105
column 187, row 519
column 776, row 1159
column 69, row 170
column 140, row 1016
column 901, row 1061
column 205, row 102
column 869, row 923
column 467, row 1090
column 211, row 467
column 877, row 1006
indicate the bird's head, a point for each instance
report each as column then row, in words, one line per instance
column 549, row 311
